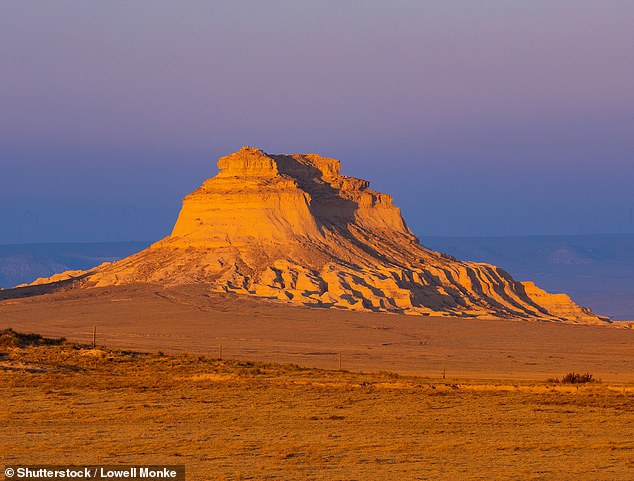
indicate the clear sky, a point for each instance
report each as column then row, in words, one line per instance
column 479, row 117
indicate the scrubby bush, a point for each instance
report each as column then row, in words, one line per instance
column 578, row 378
column 10, row 338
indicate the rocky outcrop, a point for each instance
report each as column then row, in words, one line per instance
column 293, row 228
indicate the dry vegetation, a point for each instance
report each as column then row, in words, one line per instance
column 227, row 419
column 190, row 319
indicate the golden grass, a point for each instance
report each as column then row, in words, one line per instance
column 190, row 319
column 227, row 419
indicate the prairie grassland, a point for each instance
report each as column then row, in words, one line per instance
column 190, row 319
column 228, row 419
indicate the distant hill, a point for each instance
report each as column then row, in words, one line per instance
column 597, row 271
column 25, row 262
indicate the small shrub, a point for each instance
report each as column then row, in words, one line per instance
column 10, row 338
column 249, row 371
column 578, row 378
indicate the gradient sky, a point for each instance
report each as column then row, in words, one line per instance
column 479, row 117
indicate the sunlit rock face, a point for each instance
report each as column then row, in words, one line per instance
column 258, row 197
column 291, row 227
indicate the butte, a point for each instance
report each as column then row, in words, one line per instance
column 294, row 229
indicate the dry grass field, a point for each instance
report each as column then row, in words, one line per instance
column 190, row 319
column 238, row 420
column 390, row 415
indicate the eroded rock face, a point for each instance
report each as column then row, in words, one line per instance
column 281, row 198
column 291, row 227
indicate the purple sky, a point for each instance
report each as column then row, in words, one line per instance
column 481, row 118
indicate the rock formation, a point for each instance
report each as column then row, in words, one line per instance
column 291, row 227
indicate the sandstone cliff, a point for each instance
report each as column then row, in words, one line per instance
column 291, row 227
